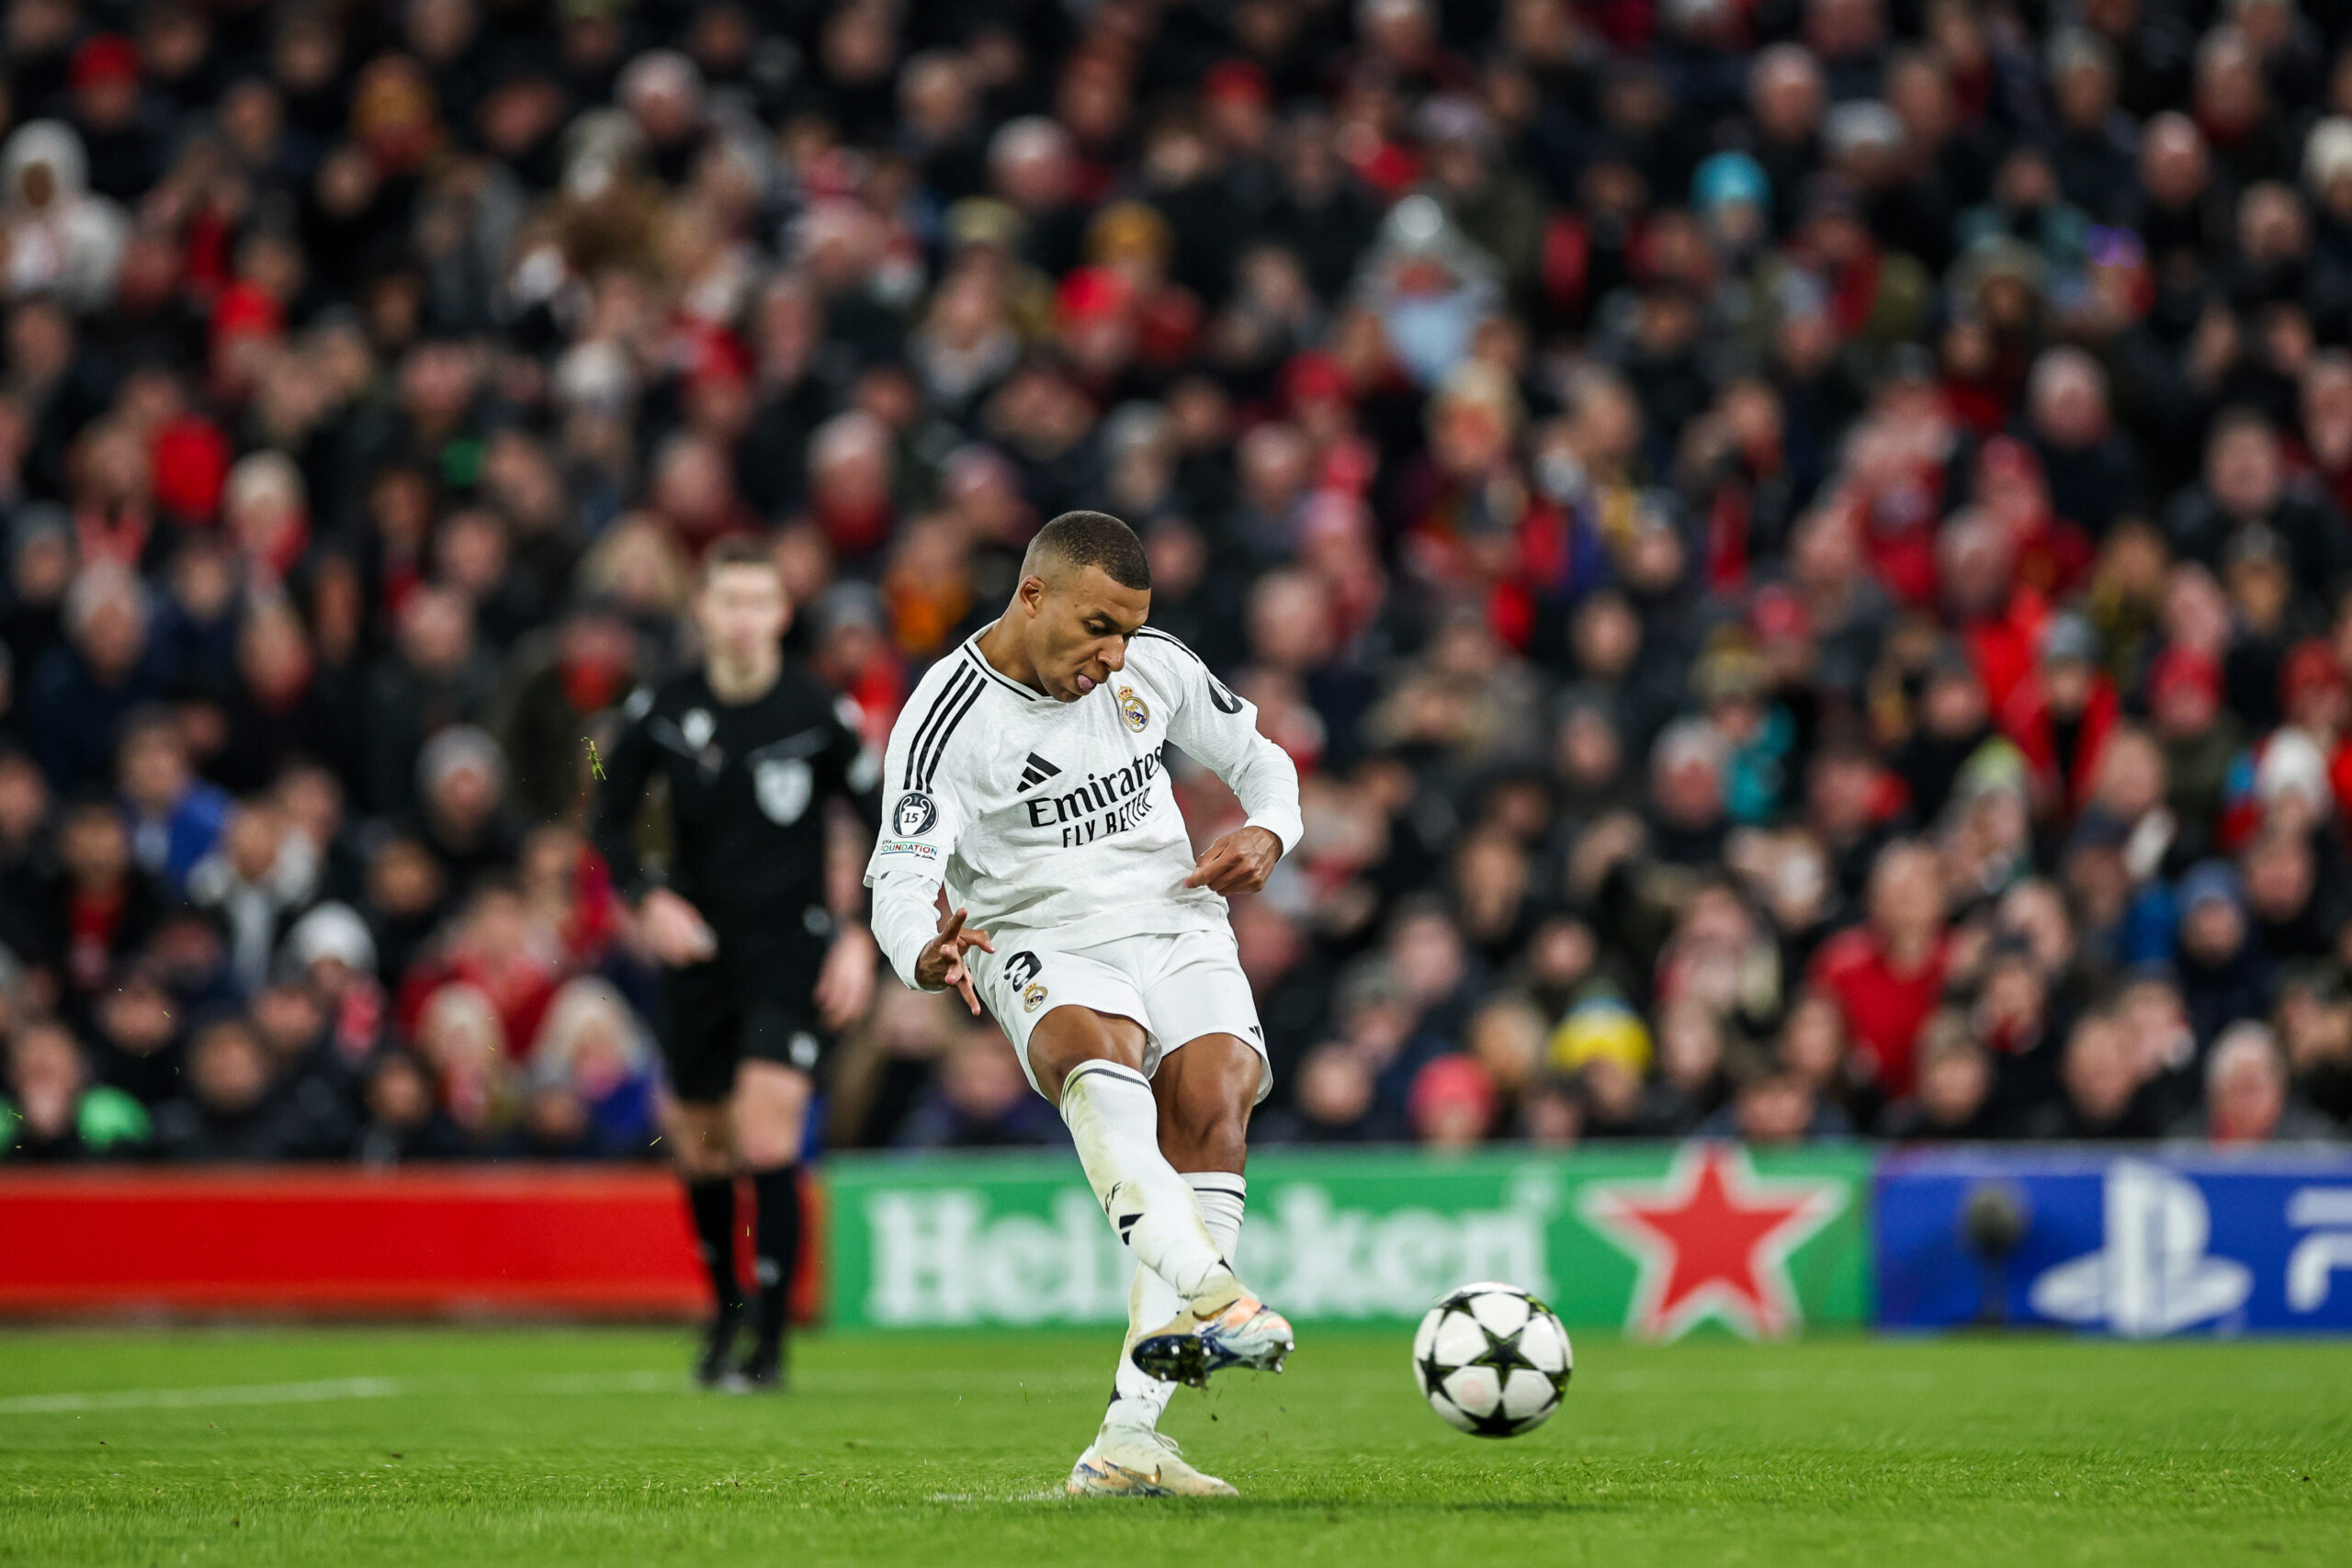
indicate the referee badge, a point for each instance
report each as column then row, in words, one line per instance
column 1131, row 709
column 782, row 789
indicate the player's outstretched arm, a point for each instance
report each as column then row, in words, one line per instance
column 922, row 813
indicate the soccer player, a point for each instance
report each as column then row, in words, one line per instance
column 758, row 970
column 1025, row 775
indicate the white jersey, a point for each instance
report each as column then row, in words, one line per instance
column 1039, row 815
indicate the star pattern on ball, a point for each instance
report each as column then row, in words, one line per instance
column 1494, row 1426
column 1502, row 1352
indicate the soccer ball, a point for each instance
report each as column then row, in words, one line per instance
column 1492, row 1359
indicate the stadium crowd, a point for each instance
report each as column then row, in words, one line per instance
column 1800, row 546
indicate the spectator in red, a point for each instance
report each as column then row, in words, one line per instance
column 1998, row 614
column 1887, row 974
column 1134, row 242
column 2053, row 553
column 494, row 950
column 2060, row 714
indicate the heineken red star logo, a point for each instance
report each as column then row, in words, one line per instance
column 1713, row 1240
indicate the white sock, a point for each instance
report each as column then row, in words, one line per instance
column 1115, row 1122
column 1137, row 1399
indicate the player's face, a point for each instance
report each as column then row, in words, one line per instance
column 1079, row 629
column 741, row 612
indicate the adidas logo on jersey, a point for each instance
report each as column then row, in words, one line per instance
column 1038, row 772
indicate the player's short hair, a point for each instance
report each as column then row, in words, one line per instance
column 736, row 549
column 1091, row 538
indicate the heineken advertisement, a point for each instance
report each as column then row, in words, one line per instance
column 1658, row 1240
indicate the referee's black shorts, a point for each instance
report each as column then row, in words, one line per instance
column 754, row 1001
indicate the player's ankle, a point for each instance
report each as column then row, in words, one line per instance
column 1217, row 1289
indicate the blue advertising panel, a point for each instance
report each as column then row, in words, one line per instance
column 2138, row 1243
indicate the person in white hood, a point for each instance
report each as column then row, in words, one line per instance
column 59, row 237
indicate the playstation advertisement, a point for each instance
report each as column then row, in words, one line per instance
column 2138, row 1244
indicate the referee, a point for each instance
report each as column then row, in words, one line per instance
column 758, row 969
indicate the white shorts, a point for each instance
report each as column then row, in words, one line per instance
column 1179, row 986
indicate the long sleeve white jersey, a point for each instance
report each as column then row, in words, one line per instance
column 1040, row 815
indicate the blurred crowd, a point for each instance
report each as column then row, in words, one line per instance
column 1800, row 547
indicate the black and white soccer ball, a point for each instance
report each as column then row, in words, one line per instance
column 1492, row 1359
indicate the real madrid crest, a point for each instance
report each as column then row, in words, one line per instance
column 1030, row 997
column 1131, row 709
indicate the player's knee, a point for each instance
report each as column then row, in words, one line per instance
column 699, row 1143
column 766, row 1139
column 769, row 1108
column 1072, row 1036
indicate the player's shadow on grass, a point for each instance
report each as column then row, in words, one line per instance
column 1357, row 1508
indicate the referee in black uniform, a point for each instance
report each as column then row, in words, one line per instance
column 759, row 969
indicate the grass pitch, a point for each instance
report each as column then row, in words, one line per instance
column 575, row 1447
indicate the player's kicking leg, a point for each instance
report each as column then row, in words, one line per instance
column 1204, row 1093
column 1090, row 1063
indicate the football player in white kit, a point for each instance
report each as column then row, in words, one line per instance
column 1024, row 774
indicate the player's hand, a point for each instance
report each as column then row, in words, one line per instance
column 845, row 984
column 1238, row 862
column 942, row 960
column 675, row 929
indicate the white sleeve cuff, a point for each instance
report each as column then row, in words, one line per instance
column 1287, row 827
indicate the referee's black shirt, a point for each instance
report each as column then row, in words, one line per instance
column 748, row 784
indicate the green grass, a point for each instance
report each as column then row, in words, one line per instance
column 577, row 1447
